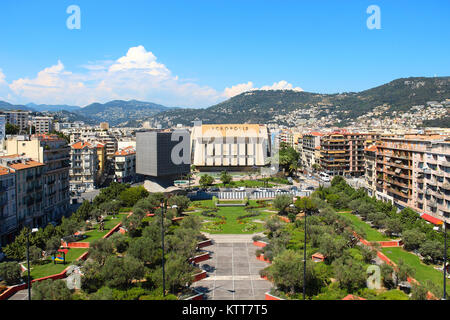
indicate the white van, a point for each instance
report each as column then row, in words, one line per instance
column 325, row 177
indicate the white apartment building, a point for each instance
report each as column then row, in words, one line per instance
column 43, row 124
column 125, row 164
column 83, row 166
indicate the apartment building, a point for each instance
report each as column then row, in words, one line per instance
column 83, row 166
column 342, row 152
column 29, row 190
column 310, row 144
column 60, row 126
column 8, row 199
column 94, row 134
column 53, row 152
column 43, row 124
column 125, row 164
column 414, row 171
column 2, row 127
column 370, row 174
column 18, row 118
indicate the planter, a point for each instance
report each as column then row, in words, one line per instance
column 199, row 276
column 200, row 258
column 272, row 297
column 198, row 296
column 260, row 243
column 262, row 258
column 205, row 243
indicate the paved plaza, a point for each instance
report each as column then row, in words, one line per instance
column 233, row 270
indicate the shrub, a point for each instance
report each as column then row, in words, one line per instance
column 10, row 272
column 51, row 290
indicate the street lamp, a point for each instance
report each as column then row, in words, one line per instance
column 445, row 260
column 162, row 245
column 28, row 260
column 304, row 258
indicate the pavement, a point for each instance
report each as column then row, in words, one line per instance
column 233, row 270
column 21, row 295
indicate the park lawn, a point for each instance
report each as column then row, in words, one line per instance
column 423, row 271
column 371, row 233
column 49, row 268
column 109, row 224
column 245, row 183
column 231, row 225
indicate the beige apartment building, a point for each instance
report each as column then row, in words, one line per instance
column 414, row 171
column 8, row 204
column 29, row 190
column 53, row 152
column 342, row 152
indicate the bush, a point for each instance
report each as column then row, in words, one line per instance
column 10, row 272
column 51, row 290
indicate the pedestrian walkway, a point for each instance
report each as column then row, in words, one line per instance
column 233, row 270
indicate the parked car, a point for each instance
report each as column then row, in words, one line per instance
column 310, row 188
column 241, row 189
column 294, row 188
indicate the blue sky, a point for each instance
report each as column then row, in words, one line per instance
column 197, row 53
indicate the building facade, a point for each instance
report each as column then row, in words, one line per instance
column 29, row 190
column 43, row 124
column 8, row 205
column 414, row 171
column 342, row 152
column 158, row 155
column 125, row 165
column 83, row 166
column 53, row 152
column 232, row 147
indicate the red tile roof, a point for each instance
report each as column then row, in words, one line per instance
column 125, row 151
column 81, row 145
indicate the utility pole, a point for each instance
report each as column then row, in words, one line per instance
column 445, row 259
column 162, row 244
column 304, row 262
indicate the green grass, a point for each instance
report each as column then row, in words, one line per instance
column 231, row 225
column 371, row 233
column 48, row 268
column 109, row 224
column 423, row 272
column 245, row 183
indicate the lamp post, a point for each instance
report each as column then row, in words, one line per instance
column 162, row 245
column 445, row 260
column 28, row 261
column 304, row 257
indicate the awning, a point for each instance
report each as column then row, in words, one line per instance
column 431, row 219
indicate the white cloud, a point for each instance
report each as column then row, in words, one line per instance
column 2, row 77
column 245, row 87
column 136, row 75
